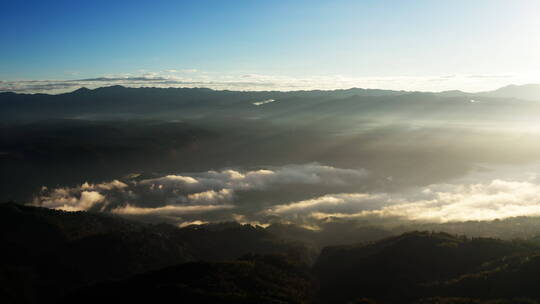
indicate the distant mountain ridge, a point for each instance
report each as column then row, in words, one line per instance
column 529, row 91
column 525, row 92
column 126, row 102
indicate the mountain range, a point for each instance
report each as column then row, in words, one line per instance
column 122, row 102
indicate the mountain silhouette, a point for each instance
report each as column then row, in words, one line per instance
column 52, row 256
column 525, row 92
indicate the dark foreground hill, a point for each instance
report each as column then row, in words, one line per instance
column 252, row 279
column 47, row 253
column 399, row 269
column 50, row 256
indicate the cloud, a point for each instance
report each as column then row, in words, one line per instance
column 168, row 210
column 497, row 199
column 211, row 196
column 242, row 219
column 251, row 196
column 258, row 179
column 492, row 76
column 65, row 199
column 171, row 181
column 343, row 202
column 191, row 223
column 190, row 193
column 115, row 184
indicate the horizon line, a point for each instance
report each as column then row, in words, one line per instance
column 75, row 88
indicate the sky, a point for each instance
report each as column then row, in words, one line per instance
column 282, row 44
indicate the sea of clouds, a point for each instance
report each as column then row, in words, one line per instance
column 201, row 197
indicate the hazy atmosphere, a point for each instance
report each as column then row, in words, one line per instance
column 270, row 151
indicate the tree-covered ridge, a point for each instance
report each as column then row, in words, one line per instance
column 395, row 269
column 49, row 253
column 251, row 279
column 50, row 256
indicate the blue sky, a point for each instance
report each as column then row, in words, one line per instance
column 341, row 39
